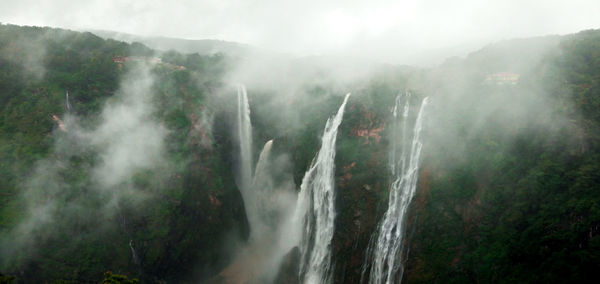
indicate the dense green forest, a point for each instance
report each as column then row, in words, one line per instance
column 85, row 236
column 520, row 202
column 508, row 187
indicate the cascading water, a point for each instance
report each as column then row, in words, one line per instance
column 385, row 254
column 315, row 210
column 267, row 206
column 134, row 255
column 263, row 192
column 261, row 170
column 244, row 131
column 67, row 102
column 245, row 137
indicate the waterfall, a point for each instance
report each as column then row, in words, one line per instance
column 261, row 204
column 67, row 102
column 261, row 170
column 134, row 255
column 245, row 138
column 268, row 207
column 315, row 210
column 244, row 131
column 386, row 248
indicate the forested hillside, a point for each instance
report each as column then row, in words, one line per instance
column 133, row 171
column 48, row 160
column 518, row 200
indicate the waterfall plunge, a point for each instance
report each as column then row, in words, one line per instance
column 261, row 202
column 387, row 263
column 315, row 210
column 312, row 223
column 268, row 207
column 244, row 131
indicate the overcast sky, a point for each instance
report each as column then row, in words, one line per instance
column 381, row 29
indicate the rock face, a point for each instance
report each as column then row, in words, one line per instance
column 370, row 128
column 508, row 189
column 361, row 184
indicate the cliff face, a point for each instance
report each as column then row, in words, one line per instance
column 170, row 220
column 361, row 188
column 505, row 185
column 508, row 204
column 507, row 191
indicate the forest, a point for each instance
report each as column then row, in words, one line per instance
column 118, row 161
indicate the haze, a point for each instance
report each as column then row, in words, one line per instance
column 385, row 30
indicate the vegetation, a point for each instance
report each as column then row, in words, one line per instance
column 110, row 278
column 522, row 203
column 508, row 191
column 7, row 279
column 33, row 147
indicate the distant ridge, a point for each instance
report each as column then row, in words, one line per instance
column 201, row 46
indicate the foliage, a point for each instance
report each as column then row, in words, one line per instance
column 7, row 279
column 110, row 278
column 521, row 205
column 506, row 193
column 37, row 67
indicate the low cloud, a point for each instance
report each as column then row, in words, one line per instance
column 88, row 165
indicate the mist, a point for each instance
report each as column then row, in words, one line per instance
column 407, row 32
column 465, row 104
column 220, row 144
column 125, row 141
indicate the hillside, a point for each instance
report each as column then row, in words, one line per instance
column 135, row 172
column 201, row 46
